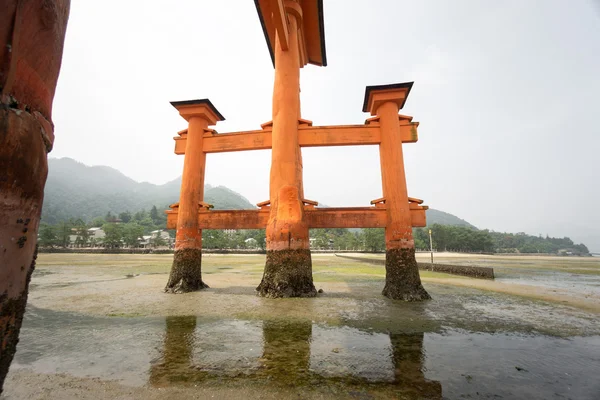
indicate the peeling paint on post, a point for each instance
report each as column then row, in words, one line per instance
column 31, row 44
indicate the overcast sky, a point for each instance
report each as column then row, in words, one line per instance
column 506, row 93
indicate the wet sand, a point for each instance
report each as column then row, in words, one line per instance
column 111, row 295
column 99, row 284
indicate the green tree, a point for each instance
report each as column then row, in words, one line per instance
column 125, row 217
column 98, row 222
column 147, row 224
column 237, row 240
column 154, row 215
column 346, row 241
column 356, row 241
column 131, row 233
column 440, row 237
column 48, row 236
column 140, row 215
column 421, row 237
column 259, row 235
column 321, row 239
column 64, row 232
column 81, row 230
column 214, row 239
column 113, row 235
column 157, row 241
column 374, row 239
column 581, row 248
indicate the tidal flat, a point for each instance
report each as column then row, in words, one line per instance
column 100, row 327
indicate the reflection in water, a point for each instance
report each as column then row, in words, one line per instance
column 286, row 358
column 408, row 357
column 176, row 356
column 327, row 361
column 286, row 350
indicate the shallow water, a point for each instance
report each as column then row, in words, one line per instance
column 349, row 358
column 582, row 284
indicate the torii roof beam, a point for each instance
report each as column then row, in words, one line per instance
column 311, row 33
column 308, row 136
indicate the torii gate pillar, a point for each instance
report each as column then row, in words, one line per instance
column 402, row 279
column 288, row 269
column 186, row 272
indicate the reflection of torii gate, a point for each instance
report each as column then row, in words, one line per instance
column 286, row 361
column 295, row 37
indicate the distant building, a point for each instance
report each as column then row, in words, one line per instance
column 145, row 241
column 320, row 243
column 167, row 240
column 96, row 236
column 72, row 240
column 568, row 252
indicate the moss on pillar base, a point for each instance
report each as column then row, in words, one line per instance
column 186, row 272
column 402, row 280
column 11, row 319
column 288, row 273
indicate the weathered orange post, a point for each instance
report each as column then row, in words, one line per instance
column 186, row 271
column 402, row 279
column 32, row 34
column 288, row 269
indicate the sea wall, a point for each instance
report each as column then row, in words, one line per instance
column 463, row 270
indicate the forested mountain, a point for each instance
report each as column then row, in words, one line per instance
column 443, row 218
column 74, row 190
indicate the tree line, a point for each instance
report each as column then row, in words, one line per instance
column 464, row 239
column 448, row 238
column 125, row 229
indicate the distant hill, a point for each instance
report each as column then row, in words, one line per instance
column 443, row 218
column 74, row 190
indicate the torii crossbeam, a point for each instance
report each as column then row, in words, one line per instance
column 295, row 37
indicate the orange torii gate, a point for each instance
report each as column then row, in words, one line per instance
column 294, row 34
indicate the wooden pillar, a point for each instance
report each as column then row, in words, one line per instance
column 186, row 271
column 288, row 269
column 299, row 166
column 402, row 279
column 398, row 231
column 31, row 45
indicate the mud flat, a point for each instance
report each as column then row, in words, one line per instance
column 99, row 326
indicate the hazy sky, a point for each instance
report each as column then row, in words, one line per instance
column 506, row 93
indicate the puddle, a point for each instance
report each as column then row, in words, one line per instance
column 395, row 360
